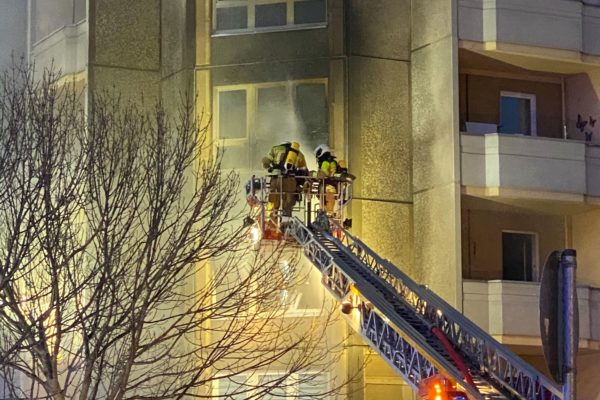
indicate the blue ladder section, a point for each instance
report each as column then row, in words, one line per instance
column 397, row 316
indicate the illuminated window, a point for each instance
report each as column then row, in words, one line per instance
column 241, row 387
column 250, row 119
column 243, row 16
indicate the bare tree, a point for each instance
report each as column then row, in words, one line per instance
column 124, row 268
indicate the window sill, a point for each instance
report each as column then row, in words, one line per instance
column 270, row 29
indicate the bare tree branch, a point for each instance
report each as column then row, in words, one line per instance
column 124, row 267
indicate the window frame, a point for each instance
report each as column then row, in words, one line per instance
column 291, row 392
column 251, row 17
column 535, row 267
column 532, row 110
column 252, row 106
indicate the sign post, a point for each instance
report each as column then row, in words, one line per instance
column 559, row 318
column 570, row 322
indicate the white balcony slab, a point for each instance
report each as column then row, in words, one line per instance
column 511, row 309
column 66, row 49
column 530, row 164
column 557, row 24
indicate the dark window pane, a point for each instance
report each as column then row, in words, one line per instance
column 311, row 106
column 517, row 256
column 308, row 12
column 229, row 18
column 271, row 15
column 515, row 115
column 232, row 114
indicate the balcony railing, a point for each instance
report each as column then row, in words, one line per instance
column 558, row 24
column 509, row 311
column 66, row 49
column 498, row 161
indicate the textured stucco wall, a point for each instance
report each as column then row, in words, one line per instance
column 178, row 47
column 436, row 180
column 177, row 35
column 13, row 31
column 379, row 129
column 585, row 232
column 125, row 47
column 379, row 147
column 380, row 29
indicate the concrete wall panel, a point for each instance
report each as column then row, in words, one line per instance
column 591, row 30
column 386, row 228
column 586, row 231
column 380, row 150
column 175, row 87
column 470, row 20
column 380, row 29
column 435, row 133
column 437, row 242
column 127, row 34
column 177, row 44
column 432, row 21
column 434, row 138
column 271, row 72
column 528, row 22
column 130, row 84
column 272, row 46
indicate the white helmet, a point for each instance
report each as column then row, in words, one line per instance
column 322, row 149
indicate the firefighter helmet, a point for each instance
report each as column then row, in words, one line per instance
column 321, row 149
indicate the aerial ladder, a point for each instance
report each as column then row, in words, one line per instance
column 439, row 352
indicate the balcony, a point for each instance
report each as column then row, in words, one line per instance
column 570, row 25
column 509, row 311
column 557, row 169
column 66, row 48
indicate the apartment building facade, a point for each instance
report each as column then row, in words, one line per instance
column 469, row 124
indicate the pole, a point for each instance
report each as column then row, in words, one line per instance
column 568, row 265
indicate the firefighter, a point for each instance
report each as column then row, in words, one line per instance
column 328, row 167
column 284, row 162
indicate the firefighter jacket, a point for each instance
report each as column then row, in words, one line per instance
column 285, row 159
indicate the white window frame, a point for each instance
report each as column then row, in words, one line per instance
column 251, row 7
column 535, row 269
column 253, row 379
column 293, row 310
column 532, row 110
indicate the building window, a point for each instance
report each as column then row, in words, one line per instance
column 519, row 256
column 517, row 113
column 250, row 119
column 243, row 16
column 272, row 385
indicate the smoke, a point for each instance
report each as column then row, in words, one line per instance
column 295, row 113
